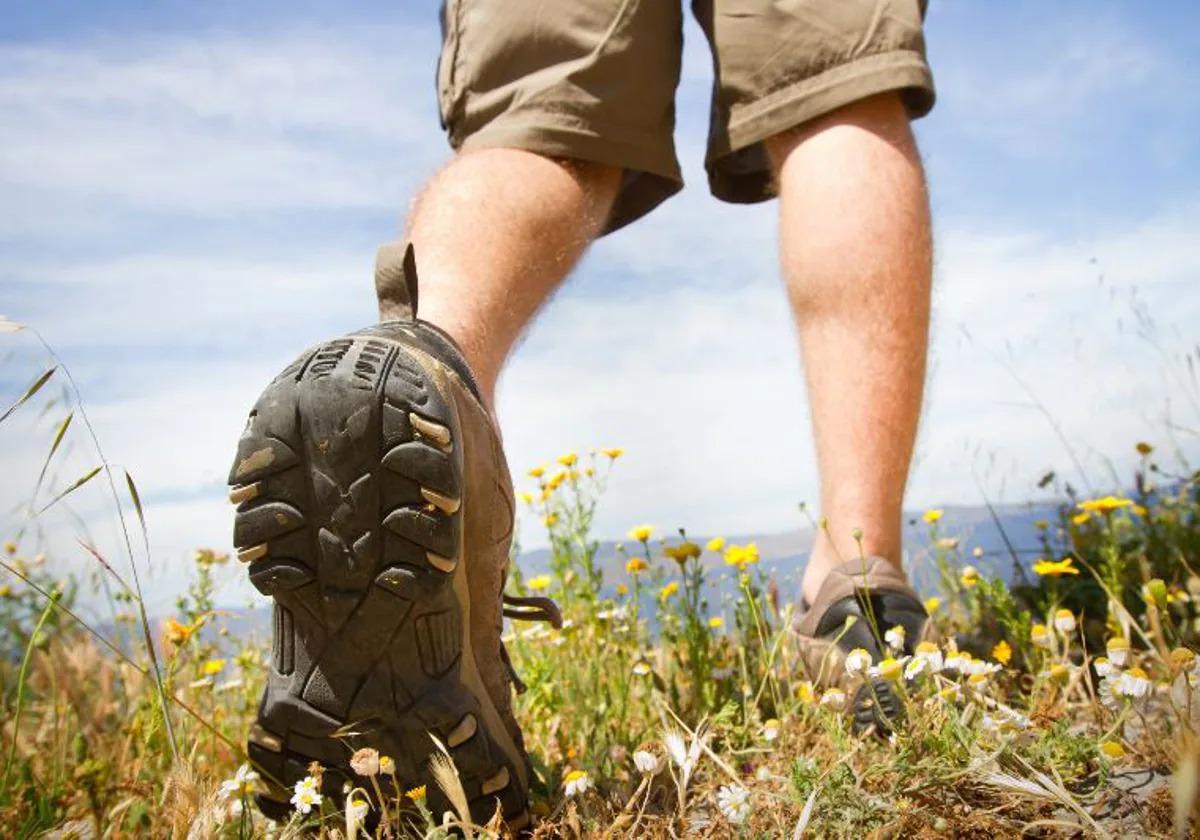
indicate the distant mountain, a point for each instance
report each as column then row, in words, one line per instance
column 784, row 555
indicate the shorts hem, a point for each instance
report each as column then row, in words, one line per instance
column 651, row 176
column 807, row 99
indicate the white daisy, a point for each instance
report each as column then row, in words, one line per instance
column 576, row 782
column 1064, row 622
column 646, row 762
column 306, row 796
column 1134, row 684
column 1118, row 651
column 734, row 802
column 356, row 814
column 914, row 667
column 931, row 655
column 857, row 661
column 955, row 660
column 242, row 783
column 834, row 697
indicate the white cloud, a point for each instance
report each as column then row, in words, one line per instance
column 225, row 124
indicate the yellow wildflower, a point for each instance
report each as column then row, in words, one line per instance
column 1105, row 504
column 614, row 453
column 683, row 552
column 569, row 459
column 416, row 794
column 5, row 591
column 741, row 555
column 213, row 667
column 804, row 691
column 1144, row 448
column 932, row 515
column 933, row 604
column 634, row 565
column 557, row 479
column 716, row 622
column 715, row 545
column 526, row 497
column 551, row 520
column 1002, row 652
column 209, row 557
column 178, row 633
column 537, row 472
column 1039, row 635
column 1080, row 518
column 1055, row 568
column 622, row 589
column 537, row 584
column 668, row 590
column 641, row 533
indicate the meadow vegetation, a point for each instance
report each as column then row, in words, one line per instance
column 659, row 708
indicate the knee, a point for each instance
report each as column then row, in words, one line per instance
column 882, row 116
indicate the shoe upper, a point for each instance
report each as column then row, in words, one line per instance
column 488, row 512
column 855, row 607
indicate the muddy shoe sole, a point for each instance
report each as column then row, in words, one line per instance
column 348, row 486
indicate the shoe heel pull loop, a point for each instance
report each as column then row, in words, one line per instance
column 396, row 280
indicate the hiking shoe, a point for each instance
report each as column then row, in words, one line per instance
column 374, row 506
column 858, row 608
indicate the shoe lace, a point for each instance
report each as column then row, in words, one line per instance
column 527, row 608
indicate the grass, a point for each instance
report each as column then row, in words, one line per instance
column 1042, row 694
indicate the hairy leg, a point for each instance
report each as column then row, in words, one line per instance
column 495, row 232
column 856, row 255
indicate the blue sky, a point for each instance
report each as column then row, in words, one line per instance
column 190, row 193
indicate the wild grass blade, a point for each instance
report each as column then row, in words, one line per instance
column 79, row 482
column 107, row 566
column 29, row 392
column 12, row 750
column 59, row 434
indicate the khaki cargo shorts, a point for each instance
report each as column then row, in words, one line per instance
column 595, row 80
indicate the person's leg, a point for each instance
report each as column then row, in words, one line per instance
column 856, row 256
column 494, row 233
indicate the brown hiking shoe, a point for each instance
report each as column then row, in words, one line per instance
column 857, row 608
column 375, row 508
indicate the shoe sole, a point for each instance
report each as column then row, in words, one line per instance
column 348, row 490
